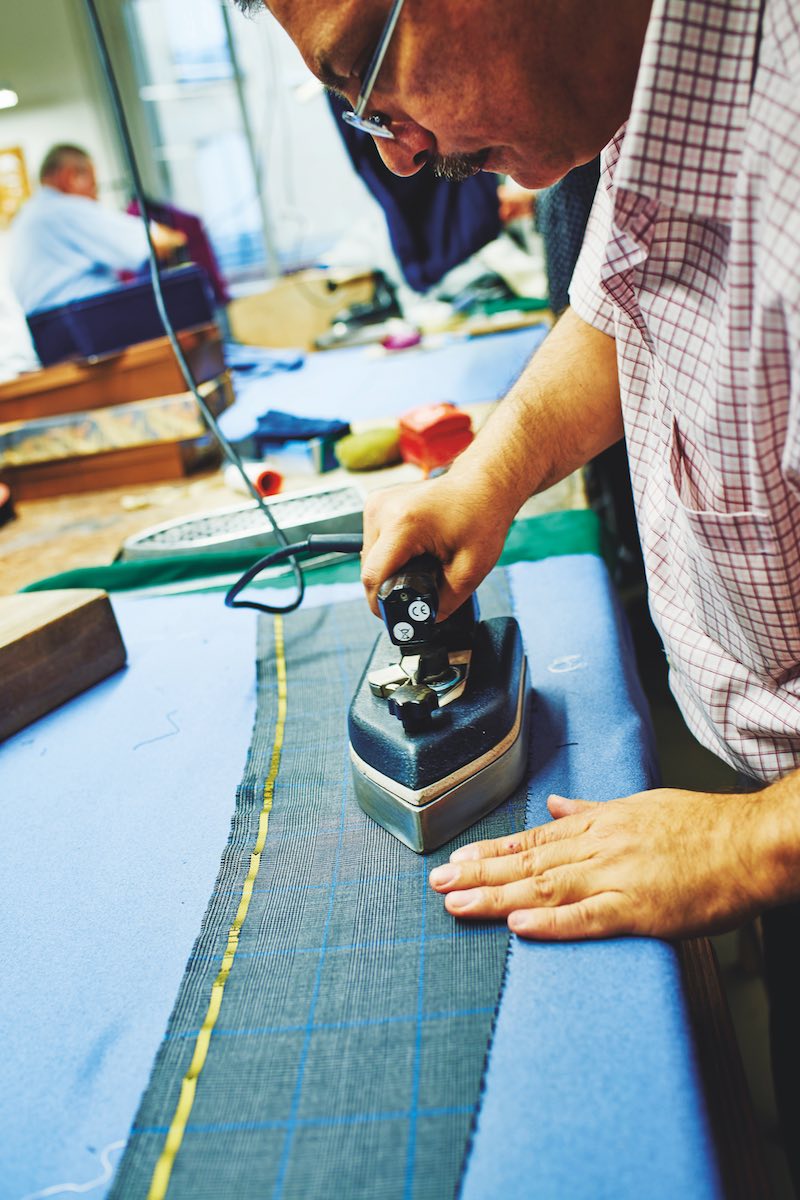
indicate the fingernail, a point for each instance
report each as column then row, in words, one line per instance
column 460, row 900
column 442, row 876
column 465, row 854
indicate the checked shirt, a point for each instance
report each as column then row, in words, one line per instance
column 692, row 262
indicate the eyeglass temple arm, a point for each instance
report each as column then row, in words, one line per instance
column 377, row 59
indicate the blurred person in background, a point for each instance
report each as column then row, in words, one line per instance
column 66, row 245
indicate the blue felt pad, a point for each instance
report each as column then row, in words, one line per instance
column 113, row 824
column 359, row 383
column 114, row 809
column 591, row 1090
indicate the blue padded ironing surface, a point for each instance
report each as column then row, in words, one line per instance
column 109, row 853
column 114, row 808
column 360, row 383
column 591, row 1087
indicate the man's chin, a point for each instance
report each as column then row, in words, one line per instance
column 532, row 173
column 534, row 177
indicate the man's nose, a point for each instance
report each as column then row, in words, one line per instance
column 409, row 150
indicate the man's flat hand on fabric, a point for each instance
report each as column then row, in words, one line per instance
column 663, row 863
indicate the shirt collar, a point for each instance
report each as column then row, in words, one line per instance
column 684, row 137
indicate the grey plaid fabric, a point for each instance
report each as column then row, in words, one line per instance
column 348, row 1052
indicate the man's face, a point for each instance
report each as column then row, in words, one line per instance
column 465, row 85
column 76, row 178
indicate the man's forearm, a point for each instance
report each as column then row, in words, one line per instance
column 564, row 409
column 778, row 841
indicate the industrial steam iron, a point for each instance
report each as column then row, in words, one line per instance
column 439, row 723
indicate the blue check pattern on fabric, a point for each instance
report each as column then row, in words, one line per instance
column 348, row 1052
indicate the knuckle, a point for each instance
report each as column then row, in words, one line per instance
column 603, row 830
column 549, row 925
column 529, row 861
column 369, row 577
column 601, row 918
column 545, row 889
column 490, row 899
column 588, row 922
column 461, row 576
column 372, row 504
column 535, row 837
column 484, row 874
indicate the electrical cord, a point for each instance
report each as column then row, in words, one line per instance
column 286, row 552
column 317, row 543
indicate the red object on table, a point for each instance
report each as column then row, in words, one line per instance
column 269, row 482
column 6, row 504
column 433, row 435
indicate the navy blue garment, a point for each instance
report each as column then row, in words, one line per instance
column 561, row 215
column 286, row 427
column 433, row 224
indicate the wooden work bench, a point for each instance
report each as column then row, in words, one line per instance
column 57, row 534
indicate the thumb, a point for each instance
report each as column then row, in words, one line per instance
column 561, row 806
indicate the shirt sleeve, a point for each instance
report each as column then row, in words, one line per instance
column 112, row 239
column 586, row 295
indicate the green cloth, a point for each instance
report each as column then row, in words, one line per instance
column 576, row 531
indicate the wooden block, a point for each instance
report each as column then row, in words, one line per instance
column 53, row 645
column 137, row 373
column 297, row 309
column 157, row 462
column 120, row 427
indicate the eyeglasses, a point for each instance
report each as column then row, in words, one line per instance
column 356, row 118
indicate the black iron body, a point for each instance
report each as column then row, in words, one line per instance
column 426, row 785
column 458, row 733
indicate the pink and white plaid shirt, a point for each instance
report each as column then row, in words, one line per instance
column 692, row 262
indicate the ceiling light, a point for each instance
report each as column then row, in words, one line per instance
column 8, row 97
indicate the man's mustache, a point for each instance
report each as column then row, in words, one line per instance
column 458, row 167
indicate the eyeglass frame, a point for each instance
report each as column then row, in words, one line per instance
column 355, row 117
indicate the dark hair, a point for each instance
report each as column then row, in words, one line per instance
column 62, row 155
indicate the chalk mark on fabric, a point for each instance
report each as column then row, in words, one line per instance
column 292, row 1126
column 413, row 1116
column 160, row 737
column 567, row 662
column 80, row 1189
column 172, row 1144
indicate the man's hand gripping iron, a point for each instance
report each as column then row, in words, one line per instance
column 439, row 722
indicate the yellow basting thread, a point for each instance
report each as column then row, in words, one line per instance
column 163, row 1168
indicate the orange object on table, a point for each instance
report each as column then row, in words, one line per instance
column 432, row 436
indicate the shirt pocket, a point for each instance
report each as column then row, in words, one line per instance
column 744, row 595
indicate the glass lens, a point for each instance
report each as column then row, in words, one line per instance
column 366, row 126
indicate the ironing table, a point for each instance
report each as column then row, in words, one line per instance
column 116, row 811
column 206, row 942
